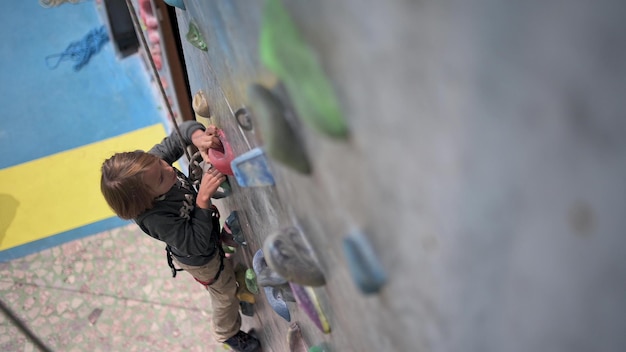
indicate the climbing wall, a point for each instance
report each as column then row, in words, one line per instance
column 483, row 162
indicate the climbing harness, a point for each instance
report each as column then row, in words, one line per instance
column 170, row 261
column 175, row 270
column 215, row 222
column 219, row 271
column 81, row 51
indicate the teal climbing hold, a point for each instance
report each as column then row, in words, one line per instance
column 176, row 3
column 280, row 140
column 366, row 270
column 233, row 228
column 318, row 348
column 284, row 52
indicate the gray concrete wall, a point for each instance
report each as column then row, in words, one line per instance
column 487, row 164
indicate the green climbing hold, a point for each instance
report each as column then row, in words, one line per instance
column 243, row 294
column 195, row 37
column 251, row 281
column 284, row 52
column 317, row 349
column 279, row 138
column 223, row 191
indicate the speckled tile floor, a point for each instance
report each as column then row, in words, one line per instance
column 108, row 292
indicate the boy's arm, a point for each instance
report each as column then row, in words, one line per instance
column 171, row 149
column 211, row 181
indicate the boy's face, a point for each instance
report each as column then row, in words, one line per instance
column 160, row 177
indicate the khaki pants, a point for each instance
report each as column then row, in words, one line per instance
column 226, row 318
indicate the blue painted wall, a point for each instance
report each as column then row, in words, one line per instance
column 45, row 111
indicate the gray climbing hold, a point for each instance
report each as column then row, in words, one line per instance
column 265, row 276
column 287, row 253
column 243, row 119
column 279, row 138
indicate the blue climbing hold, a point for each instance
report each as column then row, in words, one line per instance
column 276, row 301
column 366, row 270
column 251, row 169
column 276, row 295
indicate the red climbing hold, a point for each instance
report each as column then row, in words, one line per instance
column 220, row 159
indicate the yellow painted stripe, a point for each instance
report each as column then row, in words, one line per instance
column 61, row 192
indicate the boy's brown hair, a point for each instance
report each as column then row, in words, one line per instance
column 122, row 183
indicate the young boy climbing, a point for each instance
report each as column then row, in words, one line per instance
column 144, row 187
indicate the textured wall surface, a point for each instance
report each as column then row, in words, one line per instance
column 486, row 164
